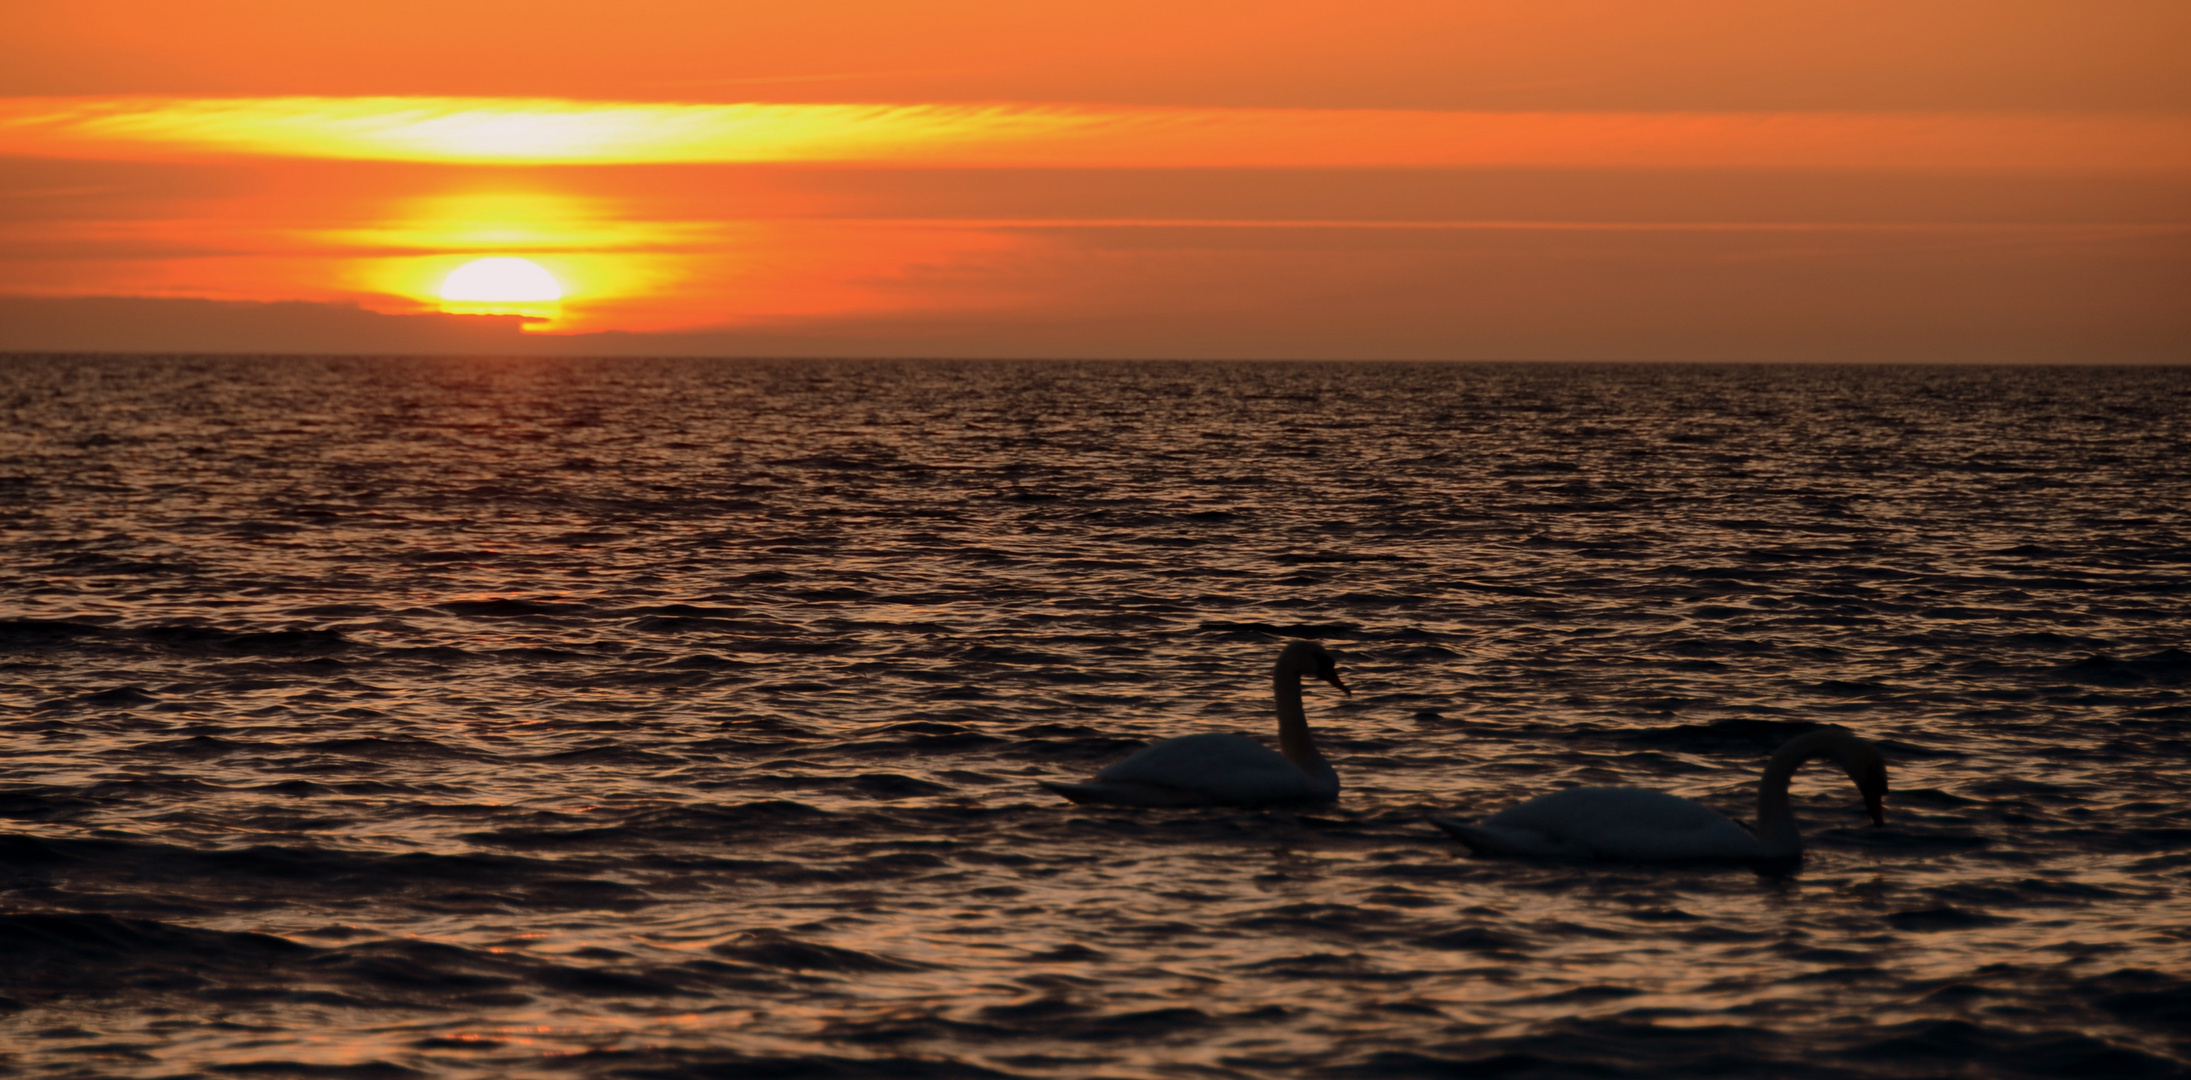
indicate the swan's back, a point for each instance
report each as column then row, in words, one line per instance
column 1625, row 823
column 1221, row 769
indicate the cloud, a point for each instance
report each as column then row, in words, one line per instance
column 143, row 324
column 546, row 131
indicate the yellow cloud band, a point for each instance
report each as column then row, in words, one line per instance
column 514, row 131
column 547, row 131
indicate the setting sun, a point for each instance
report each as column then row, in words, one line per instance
column 501, row 280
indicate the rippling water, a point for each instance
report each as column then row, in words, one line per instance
column 479, row 718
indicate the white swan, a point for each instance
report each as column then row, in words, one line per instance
column 1229, row 770
column 1638, row 825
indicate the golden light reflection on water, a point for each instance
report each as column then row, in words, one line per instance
column 740, row 807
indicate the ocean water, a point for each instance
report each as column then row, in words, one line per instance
column 471, row 718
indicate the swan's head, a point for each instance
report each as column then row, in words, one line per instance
column 1869, row 770
column 1308, row 658
column 1328, row 670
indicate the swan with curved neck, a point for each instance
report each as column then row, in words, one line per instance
column 1226, row 769
column 1639, row 825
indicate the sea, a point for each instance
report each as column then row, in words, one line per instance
column 493, row 717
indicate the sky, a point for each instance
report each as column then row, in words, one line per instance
column 1919, row 180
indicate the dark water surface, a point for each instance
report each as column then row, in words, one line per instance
column 531, row 717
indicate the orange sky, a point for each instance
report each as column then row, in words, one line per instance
column 1588, row 180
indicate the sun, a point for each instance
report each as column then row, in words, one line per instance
column 503, row 279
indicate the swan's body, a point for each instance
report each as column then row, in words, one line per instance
column 1225, row 769
column 1632, row 824
column 1639, row 825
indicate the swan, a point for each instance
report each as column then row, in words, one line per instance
column 1639, row 825
column 1225, row 769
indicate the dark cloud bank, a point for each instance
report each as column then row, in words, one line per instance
column 157, row 325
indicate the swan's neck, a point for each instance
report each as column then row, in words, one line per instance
column 1293, row 724
column 1776, row 826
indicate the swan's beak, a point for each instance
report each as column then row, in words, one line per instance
column 1877, row 805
